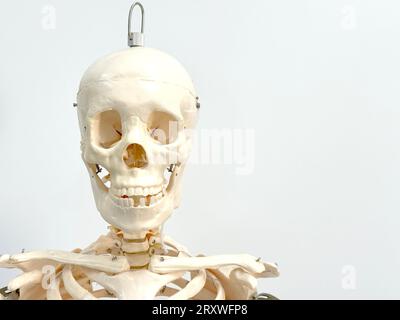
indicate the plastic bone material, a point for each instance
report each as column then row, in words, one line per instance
column 136, row 110
column 134, row 107
column 164, row 270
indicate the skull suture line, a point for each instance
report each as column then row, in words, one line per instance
column 136, row 110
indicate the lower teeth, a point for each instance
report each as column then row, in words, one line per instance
column 143, row 201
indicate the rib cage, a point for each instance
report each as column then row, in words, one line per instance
column 102, row 271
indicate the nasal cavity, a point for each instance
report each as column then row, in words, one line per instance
column 135, row 156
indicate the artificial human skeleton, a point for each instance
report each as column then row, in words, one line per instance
column 136, row 109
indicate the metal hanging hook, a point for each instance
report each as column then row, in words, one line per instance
column 136, row 39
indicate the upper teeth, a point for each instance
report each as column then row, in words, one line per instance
column 137, row 191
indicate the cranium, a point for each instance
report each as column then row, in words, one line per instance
column 136, row 110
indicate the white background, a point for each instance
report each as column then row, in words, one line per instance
column 318, row 81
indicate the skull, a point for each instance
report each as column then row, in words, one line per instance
column 137, row 109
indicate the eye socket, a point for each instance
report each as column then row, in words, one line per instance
column 163, row 127
column 107, row 128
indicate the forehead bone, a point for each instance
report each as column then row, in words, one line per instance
column 138, row 64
